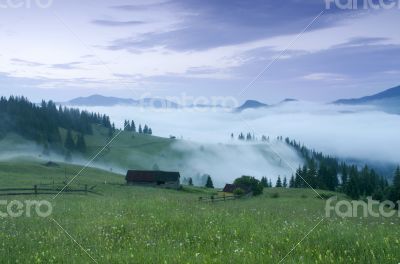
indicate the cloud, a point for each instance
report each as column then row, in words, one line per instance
column 363, row 41
column 26, row 62
column 110, row 23
column 66, row 66
column 324, row 77
column 179, row 37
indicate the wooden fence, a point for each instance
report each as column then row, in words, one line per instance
column 223, row 198
column 45, row 190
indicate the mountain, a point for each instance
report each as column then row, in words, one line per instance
column 388, row 94
column 100, row 100
column 288, row 100
column 251, row 104
column 388, row 100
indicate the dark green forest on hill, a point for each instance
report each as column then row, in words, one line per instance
column 41, row 123
column 330, row 173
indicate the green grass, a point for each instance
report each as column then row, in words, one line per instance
column 145, row 225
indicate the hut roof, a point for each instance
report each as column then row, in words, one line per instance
column 230, row 188
column 151, row 176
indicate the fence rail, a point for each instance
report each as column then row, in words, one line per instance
column 224, row 198
column 41, row 190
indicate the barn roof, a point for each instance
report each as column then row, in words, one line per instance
column 230, row 188
column 151, row 176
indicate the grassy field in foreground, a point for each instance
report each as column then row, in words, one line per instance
column 146, row 225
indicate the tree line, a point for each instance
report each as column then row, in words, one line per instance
column 130, row 126
column 41, row 123
column 329, row 173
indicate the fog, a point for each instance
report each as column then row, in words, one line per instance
column 361, row 133
column 226, row 162
column 357, row 132
column 16, row 148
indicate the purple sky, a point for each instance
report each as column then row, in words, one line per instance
column 163, row 48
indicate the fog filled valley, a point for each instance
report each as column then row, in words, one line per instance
column 207, row 140
column 348, row 132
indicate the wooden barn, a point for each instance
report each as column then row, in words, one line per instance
column 162, row 179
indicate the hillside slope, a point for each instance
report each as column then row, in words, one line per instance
column 138, row 151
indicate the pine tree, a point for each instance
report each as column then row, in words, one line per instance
column 353, row 186
column 190, row 181
column 133, row 126
column 81, row 144
column 394, row 193
column 396, row 179
column 69, row 142
column 264, row 182
column 291, row 182
column 209, row 183
column 150, row 131
column 278, row 182
column 145, row 129
column 140, row 129
column 270, row 184
column 110, row 132
column 285, row 185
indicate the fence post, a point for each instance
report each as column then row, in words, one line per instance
column 212, row 198
column 224, row 197
column 36, row 190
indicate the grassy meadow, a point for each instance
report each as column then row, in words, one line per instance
column 128, row 224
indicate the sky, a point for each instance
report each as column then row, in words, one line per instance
column 265, row 50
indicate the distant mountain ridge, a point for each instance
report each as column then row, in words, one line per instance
column 251, row 104
column 388, row 100
column 100, row 100
column 387, row 94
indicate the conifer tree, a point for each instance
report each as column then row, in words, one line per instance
column 279, row 182
column 264, row 182
column 81, row 144
column 209, row 183
column 285, row 185
column 133, row 126
column 291, row 182
column 396, row 179
column 69, row 142
column 140, row 129
column 190, row 181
